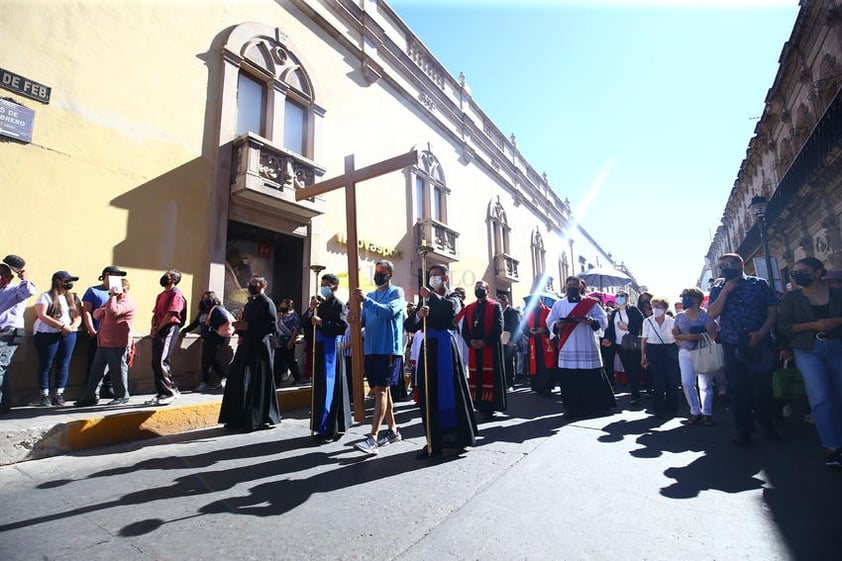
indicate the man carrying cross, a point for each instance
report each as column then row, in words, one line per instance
column 575, row 320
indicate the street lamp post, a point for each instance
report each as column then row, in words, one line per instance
column 758, row 207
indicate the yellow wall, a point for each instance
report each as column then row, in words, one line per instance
column 122, row 166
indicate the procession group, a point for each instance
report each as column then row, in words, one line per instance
column 464, row 365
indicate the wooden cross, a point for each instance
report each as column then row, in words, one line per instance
column 348, row 180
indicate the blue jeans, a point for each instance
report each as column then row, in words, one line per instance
column 822, row 372
column 54, row 349
column 7, row 350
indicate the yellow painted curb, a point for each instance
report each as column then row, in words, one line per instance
column 123, row 427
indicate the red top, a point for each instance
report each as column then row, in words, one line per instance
column 171, row 300
column 115, row 317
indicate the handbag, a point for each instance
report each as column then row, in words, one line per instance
column 708, row 357
column 630, row 342
column 226, row 328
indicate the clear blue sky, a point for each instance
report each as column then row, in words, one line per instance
column 663, row 95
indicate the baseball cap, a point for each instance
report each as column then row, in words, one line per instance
column 64, row 275
column 112, row 270
column 15, row 262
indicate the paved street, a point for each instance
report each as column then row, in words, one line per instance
column 624, row 487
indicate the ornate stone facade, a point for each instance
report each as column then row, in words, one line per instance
column 794, row 159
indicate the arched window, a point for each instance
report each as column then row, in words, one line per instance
column 538, row 253
column 563, row 268
column 429, row 198
column 273, row 96
column 499, row 228
column 505, row 265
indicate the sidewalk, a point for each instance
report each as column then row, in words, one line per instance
column 30, row 433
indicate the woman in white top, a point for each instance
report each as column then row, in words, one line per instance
column 59, row 314
column 660, row 355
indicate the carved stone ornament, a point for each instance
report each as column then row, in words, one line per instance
column 821, row 244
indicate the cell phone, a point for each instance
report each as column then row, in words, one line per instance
column 115, row 284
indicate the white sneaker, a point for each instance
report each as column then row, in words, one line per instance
column 368, row 446
column 166, row 400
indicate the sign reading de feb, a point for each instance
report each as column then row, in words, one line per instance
column 25, row 86
column 16, row 121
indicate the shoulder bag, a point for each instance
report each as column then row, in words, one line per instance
column 708, row 357
column 629, row 342
column 226, row 328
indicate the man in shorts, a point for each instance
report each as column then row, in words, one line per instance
column 382, row 318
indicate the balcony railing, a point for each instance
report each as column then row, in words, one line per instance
column 443, row 240
column 269, row 175
column 506, row 267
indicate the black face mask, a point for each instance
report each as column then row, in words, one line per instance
column 165, row 280
column 380, row 279
column 573, row 294
column 283, row 310
column 480, row 292
column 253, row 289
column 729, row 274
column 802, row 278
column 68, row 285
column 205, row 304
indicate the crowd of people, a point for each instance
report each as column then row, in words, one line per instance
column 463, row 359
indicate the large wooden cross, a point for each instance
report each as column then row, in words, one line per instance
column 349, row 180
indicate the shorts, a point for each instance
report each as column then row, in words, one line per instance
column 382, row 371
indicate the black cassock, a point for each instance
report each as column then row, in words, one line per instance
column 250, row 401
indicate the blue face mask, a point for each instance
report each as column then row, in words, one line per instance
column 687, row 302
column 621, row 300
column 325, row 291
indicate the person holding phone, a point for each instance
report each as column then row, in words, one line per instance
column 114, row 342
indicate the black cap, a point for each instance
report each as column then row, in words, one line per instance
column 15, row 262
column 64, row 275
column 112, row 270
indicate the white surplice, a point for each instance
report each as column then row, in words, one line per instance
column 581, row 351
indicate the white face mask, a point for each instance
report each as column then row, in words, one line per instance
column 436, row 282
column 658, row 312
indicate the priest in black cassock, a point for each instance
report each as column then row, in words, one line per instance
column 331, row 414
column 440, row 373
column 482, row 329
column 249, row 401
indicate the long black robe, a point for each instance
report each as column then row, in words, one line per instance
column 451, row 415
column 331, row 414
column 487, row 379
column 250, row 401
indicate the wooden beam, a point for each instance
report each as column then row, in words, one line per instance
column 355, row 176
column 353, row 285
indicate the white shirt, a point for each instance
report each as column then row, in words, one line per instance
column 620, row 316
column 40, row 326
column 655, row 334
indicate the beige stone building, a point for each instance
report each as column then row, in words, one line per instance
column 794, row 160
column 177, row 134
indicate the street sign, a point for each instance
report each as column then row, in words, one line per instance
column 16, row 121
